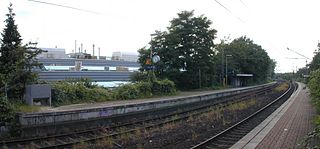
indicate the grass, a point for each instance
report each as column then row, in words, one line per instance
column 282, row 87
column 27, row 108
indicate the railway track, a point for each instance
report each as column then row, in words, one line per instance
column 67, row 140
column 231, row 135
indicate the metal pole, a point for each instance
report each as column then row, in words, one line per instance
column 226, row 71
column 151, row 52
column 222, row 75
column 6, row 90
column 199, row 78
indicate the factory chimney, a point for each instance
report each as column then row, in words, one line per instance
column 81, row 48
column 99, row 53
column 75, row 46
column 93, row 50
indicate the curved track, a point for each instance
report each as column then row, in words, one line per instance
column 91, row 135
column 231, row 135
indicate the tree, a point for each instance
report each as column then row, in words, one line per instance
column 247, row 57
column 315, row 63
column 186, row 51
column 17, row 60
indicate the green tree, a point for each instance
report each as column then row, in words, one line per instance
column 315, row 63
column 186, row 51
column 17, row 60
column 247, row 57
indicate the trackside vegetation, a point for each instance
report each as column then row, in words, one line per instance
column 313, row 139
column 16, row 64
column 191, row 59
column 83, row 90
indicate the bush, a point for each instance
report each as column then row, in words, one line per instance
column 70, row 93
column 314, row 85
column 139, row 76
column 7, row 113
column 164, row 87
column 127, row 91
column 143, row 77
column 145, row 89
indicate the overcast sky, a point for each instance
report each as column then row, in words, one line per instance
column 126, row 25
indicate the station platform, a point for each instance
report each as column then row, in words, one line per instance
column 92, row 111
column 186, row 94
column 286, row 127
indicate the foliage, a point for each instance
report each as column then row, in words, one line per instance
column 6, row 112
column 80, row 91
column 186, row 51
column 245, row 57
column 315, row 63
column 314, row 85
column 16, row 60
column 142, row 76
column 281, row 88
column 164, row 87
column 26, row 108
column 127, row 91
column 145, row 89
column 70, row 93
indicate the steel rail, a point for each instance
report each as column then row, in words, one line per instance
column 208, row 141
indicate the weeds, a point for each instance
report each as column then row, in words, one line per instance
column 194, row 136
column 282, row 87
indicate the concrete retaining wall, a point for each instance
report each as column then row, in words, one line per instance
column 32, row 119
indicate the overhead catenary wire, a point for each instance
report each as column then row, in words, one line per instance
column 64, row 6
column 228, row 10
column 244, row 4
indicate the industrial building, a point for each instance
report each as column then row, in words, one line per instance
column 125, row 56
column 53, row 53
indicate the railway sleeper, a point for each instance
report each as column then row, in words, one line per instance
column 241, row 131
column 234, row 136
column 216, row 145
column 234, row 139
column 224, row 142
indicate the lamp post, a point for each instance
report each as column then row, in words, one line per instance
column 227, row 68
column 151, row 52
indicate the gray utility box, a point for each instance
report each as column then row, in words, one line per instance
column 36, row 93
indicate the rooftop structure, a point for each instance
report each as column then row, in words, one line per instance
column 53, row 53
column 125, row 56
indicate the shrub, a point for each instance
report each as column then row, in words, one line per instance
column 145, row 89
column 139, row 76
column 163, row 87
column 143, row 77
column 7, row 112
column 70, row 93
column 127, row 91
column 314, row 85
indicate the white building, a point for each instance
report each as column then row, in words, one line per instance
column 125, row 56
column 55, row 53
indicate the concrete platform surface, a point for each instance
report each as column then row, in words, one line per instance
column 137, row 101
column 286, row 127
column 84, row 112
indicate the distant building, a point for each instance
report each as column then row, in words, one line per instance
column 125, row 56
column 81, row 56
column 54, row 53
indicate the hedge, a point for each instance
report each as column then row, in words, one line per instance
column 72, row 92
